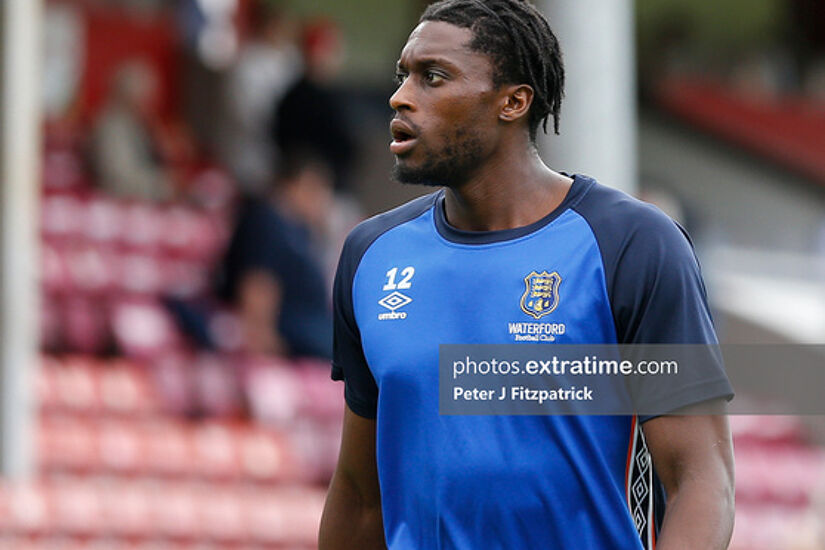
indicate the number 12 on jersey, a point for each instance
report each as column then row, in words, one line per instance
column 406, row 276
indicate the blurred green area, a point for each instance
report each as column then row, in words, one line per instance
column 711, row 30
column 375, row 31
column 706, row 31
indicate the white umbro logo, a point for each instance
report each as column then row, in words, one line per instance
column 392, row 302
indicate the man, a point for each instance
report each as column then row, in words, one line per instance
column 476, row 80
column 272, row 270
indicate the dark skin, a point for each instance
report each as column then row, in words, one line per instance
column 449, row 110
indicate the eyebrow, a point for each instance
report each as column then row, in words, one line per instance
column 429, row 61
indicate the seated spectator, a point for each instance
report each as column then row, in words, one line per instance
column 125, row 152
column 272, row 271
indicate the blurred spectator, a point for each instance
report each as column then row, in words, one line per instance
column 273, row 272
column 266, row 67
column 311, row 115
column 62, row 59
column 209, row 41
column 126, row 152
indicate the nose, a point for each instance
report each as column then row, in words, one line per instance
column 402, row 98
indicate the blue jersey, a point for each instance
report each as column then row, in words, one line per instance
column 617, row 270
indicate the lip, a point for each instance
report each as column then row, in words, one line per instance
column 401, row 147
column 404, row 137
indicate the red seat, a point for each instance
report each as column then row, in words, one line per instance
column 24, row 507
column 129, row 508
column 74, row 384
column 143, row 329
column 288, row 516
column 85, row 325
column 61, row 216
column 767, row 429
column 273, row 389
column 175, row 511
column 104, row 220
column 119, row 446
column 215, row 453
column 218, row 386
column 772, row 527
column 221, row 514
column 77, row 507
column 265, row 456
column 67, row 443
column 142, row 226
column 126, row 389
column 167, row 448
column 54, row 271
column 139, row 273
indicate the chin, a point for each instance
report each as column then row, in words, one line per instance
column 411, row 175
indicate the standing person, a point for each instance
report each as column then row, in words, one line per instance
column 477, row 78
column 267, row 66
column 310, row 117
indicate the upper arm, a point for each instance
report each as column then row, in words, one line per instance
column 352, row 515
column 695, row 448
column 356, row 460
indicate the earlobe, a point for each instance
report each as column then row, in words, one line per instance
column 516, row 102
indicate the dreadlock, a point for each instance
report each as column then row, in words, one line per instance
column 521, row 45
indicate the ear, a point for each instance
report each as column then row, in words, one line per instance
column 516, row 101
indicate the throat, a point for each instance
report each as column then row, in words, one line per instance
column 499, row 207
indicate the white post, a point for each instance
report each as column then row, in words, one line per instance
column 598, row 113
column 20, row 96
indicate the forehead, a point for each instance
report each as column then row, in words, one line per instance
column 440, row 41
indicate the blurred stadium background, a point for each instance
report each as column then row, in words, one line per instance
column 143, row 408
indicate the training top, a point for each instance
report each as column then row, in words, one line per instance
column 613, row 270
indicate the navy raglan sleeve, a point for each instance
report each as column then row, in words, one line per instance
column 348, row 361
column 655, row 287
column 657, row 292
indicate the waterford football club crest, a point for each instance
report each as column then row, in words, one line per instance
column 541, row 295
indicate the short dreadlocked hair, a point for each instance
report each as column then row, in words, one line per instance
column 521, row 45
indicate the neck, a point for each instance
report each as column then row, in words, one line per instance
column 510, row 190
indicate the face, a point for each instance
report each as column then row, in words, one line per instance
column 446, row 107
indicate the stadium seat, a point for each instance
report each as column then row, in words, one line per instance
column 143, row 328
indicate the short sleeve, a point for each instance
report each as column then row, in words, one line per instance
column 656, row 292
column 659, row 298
column 348, row 361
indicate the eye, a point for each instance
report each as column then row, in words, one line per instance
column 399, row 78
column 433, row 77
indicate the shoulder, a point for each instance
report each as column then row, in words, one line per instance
column 368, row 231
column 609, row 210
column 625, row 225
column 652, row 275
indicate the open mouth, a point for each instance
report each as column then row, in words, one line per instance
column 403, row 137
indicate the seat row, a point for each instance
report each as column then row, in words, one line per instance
column 171, row 448
column 99, row 220
column 277, row 391
column 161, row 509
